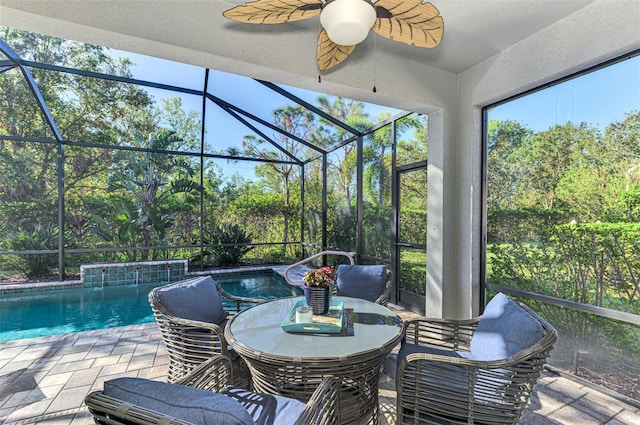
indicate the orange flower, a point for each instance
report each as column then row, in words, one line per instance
column 322, row 277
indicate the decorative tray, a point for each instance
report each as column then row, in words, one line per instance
column 320, row 323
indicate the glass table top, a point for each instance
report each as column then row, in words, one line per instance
column 368, row 326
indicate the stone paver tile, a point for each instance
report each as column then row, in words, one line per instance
column 83, row 378
column 569, row 389
column 35, row 353
column 69, row 399
column 530, row 418
column 47, row 363
column 99, row 351
column 72, row 366
column 64, row 418
column 10, row 352
column 126, row 357
column 571, row 415
column 387, row 411
column 29, row 411
column 161, row 360
column 72, row 357
column 24, row 397
column 123, row 348
column 87, row 340
column 603, row 409
column 55, row 379
column 159, row 373
column 4, row 413
column 113, row 369
column 141, row 362
column 83, row 418
column 51, row 391
column 614, row 421
column 110, row 340
column 629, row 416
column 15, row 365
column 99, row 382
column 106, row 361
column 551, row 397
column 71, row 349
column 149, row 348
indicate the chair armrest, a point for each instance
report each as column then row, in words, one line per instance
column 213, row 375
column 445, row 334
column 109, row 410
column 352, row 261
column 238, row 300
column 384, row 298
column 322, row 407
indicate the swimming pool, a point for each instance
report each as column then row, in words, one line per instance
column 47, row 312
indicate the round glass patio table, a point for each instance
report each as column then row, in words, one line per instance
column 293, row 364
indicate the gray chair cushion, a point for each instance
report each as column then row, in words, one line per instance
column 361, row 281
column 410, row 348
column 189, row 404
column 267, row 409
column 197, row 299
column 503, row 330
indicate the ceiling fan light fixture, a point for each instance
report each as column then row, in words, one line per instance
column 348, row 22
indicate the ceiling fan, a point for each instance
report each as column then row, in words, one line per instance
column 347, row 22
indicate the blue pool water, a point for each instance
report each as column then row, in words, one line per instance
column 58, row 311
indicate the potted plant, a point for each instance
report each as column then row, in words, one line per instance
column 318, row 285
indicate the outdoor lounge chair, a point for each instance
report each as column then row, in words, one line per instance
column 477, row 371
column 203, row 397
column 191, row 319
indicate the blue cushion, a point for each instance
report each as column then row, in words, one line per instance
column 360, row 281
column 195, row 299
column 503, row 330
column 447, row 377
column 189, row 404
column 410, row 348
column 267, row 409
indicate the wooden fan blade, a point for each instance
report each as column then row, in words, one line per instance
column 274, row 11
column 409, row 21
column 329, row 53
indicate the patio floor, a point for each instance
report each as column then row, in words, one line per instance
column 44, row 380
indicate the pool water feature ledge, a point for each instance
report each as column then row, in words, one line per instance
column 108, row 274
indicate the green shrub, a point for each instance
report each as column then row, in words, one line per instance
column 226, row 245
column 43, row 237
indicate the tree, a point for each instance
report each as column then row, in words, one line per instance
column 85, row 109
column 549, row 155
column 344, row 159
column 299, row 122
column 377, row 156
column 151, row 178
column 507, row 172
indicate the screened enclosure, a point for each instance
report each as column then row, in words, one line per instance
column 110, row 156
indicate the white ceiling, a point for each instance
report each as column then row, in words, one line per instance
column 475, row 30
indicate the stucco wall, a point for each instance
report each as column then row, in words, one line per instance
column 603, row 30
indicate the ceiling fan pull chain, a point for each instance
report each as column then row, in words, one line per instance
column 374, row 64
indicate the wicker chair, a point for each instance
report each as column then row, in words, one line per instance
column 191, row 319
column 212, row 375
column 370, row 282
column 477, row 371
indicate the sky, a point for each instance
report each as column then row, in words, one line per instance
column 599, row 98
column 237, row 90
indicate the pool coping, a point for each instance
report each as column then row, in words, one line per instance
column 12, row 288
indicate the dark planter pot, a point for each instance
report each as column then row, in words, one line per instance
column 317, row 298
